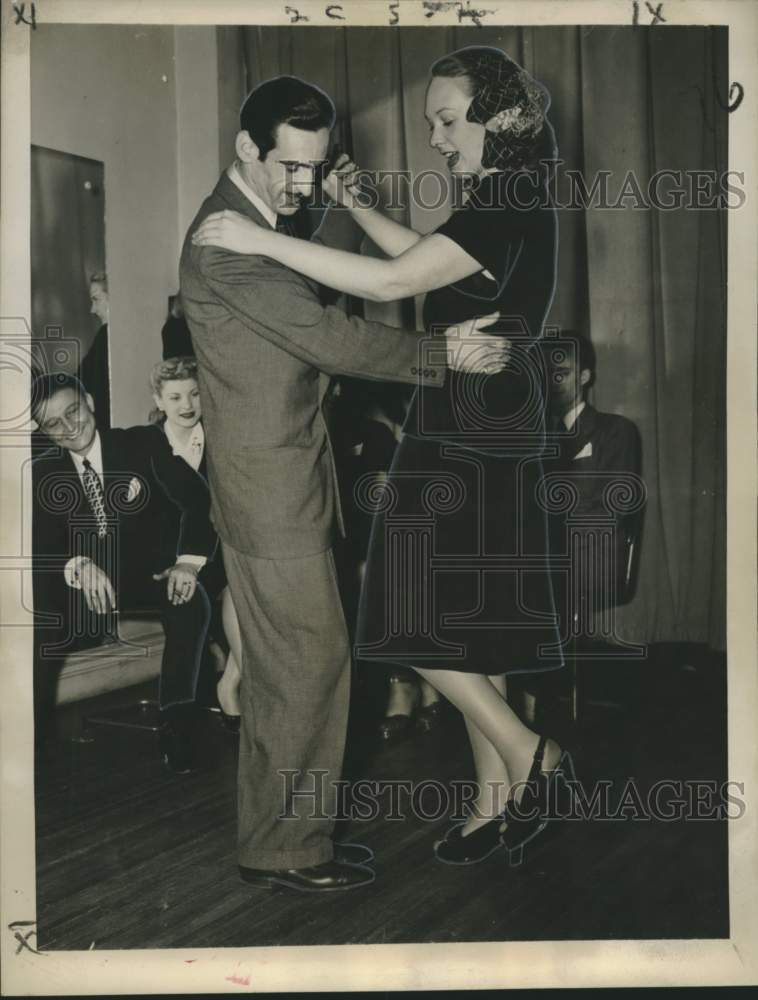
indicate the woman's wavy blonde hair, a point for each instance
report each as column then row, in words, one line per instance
column 169, row 370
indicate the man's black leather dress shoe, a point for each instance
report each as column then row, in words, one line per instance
column 353, row 854
column 331, row 876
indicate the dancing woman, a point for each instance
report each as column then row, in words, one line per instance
column 469, row 462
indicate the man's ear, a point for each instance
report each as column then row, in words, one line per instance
column 245, row 148
column 90, row 401
column 584, row 376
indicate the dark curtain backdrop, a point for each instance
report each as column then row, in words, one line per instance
column 649, row 286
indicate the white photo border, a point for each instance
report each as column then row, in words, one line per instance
column 732, row 961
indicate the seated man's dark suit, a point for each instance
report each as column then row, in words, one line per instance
column 598, row 455
column 143, row 485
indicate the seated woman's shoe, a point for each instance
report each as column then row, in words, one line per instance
column 457, row 849
column 526, row 819
column 230, row 722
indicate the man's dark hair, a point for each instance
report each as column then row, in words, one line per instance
column 46, row 385
column 582, row 349
column 285, row 100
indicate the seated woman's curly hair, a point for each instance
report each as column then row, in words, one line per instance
column 169, row 370
column 510, row 104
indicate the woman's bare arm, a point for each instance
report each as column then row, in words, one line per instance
column 431, row 262
column 390, row 236
column 343, row 186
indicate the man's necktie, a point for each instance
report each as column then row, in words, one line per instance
column 559, row 436
column 93, row 490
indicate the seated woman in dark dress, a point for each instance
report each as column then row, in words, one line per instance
column 178, row 414
column 458, row 578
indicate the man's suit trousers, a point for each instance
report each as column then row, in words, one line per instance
column 294, row 698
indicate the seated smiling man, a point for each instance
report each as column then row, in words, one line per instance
column 101, row 502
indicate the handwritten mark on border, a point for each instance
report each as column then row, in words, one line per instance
column 19, row 9
column 432, row 7
column 733, row 102
column 23, row 939
column 655, row 11
column 294, row 15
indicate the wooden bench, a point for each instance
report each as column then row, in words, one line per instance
column 110, row 667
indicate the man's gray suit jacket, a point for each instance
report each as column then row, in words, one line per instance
column 266, row 347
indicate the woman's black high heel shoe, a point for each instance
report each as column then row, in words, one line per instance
column 527, row 819
column 456, row 849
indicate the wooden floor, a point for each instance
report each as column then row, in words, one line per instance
column 129, row 856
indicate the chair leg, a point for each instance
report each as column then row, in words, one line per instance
column 143, row 714
column 574, row 691
column 574, row 700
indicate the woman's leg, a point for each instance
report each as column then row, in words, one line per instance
column 492, row 777
column 228, row 687
column 494, row 726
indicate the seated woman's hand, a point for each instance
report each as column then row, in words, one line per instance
column 232, row 231
column 341, row 183
column 182, row 581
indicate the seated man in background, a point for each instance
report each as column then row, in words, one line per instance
column 594, row 450
column 101, row 501
column 176, row 341
column 94, row 370
column 590, row 441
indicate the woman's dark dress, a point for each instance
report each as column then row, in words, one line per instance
column 458, row 569
column 212, row 575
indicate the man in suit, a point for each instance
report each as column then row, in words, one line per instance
column 94, row 371
column 266, row 348
column 591, row 451
column 101, row 502
column 593, row 446
column 175, row 335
